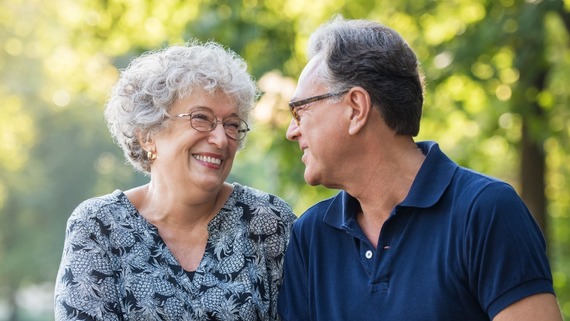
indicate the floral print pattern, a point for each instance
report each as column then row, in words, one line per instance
column 115, row 266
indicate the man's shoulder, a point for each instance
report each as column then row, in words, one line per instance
column 473, row 182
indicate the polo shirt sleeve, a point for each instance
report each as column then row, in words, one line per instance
column 505, row 250
column 293, row 304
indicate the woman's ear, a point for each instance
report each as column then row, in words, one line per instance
column 145, row 140
column 360, row 108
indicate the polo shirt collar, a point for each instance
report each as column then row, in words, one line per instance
column 430, row 183
column 434, row 176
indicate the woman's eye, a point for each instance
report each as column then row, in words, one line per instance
column 232, row 123
column 201, row 116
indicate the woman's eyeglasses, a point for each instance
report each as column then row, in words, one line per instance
column 205, row 121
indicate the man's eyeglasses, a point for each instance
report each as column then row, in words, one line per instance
column 205, row 121
column 294, row 105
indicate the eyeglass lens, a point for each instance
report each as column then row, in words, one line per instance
column 294, row 105
column 205, row 121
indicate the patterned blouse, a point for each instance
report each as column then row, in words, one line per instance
column 115, row 266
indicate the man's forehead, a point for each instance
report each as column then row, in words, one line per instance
column 309, row 80
column 311, row 69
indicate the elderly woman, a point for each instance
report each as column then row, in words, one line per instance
column 187, row 245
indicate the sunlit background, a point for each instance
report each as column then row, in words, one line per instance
column 496, row 101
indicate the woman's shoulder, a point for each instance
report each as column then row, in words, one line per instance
column 102, row 208
column 256, row 196
column 259, row 198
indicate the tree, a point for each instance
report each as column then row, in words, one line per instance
column 497, row 97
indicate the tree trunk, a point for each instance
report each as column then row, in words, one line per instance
column 533, row 68
column 532, row 176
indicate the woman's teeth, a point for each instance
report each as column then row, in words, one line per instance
column 208, row 159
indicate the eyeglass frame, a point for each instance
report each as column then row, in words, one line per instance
column 293, row 105
column 213, row 125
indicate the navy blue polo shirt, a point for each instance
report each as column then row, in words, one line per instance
column 461, row 246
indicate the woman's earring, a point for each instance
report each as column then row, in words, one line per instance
column 150, row 155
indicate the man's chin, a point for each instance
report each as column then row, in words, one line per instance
column 311, row 180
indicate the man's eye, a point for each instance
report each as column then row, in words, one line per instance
column 300, row 110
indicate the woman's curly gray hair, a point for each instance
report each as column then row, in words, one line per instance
column 140, row 101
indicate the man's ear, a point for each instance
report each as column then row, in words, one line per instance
column 361, row 105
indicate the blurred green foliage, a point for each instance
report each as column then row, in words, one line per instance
column 496, row 101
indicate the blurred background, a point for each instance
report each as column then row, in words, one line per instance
column 497, row 101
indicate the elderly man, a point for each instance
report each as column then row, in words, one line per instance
column 411, row 235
